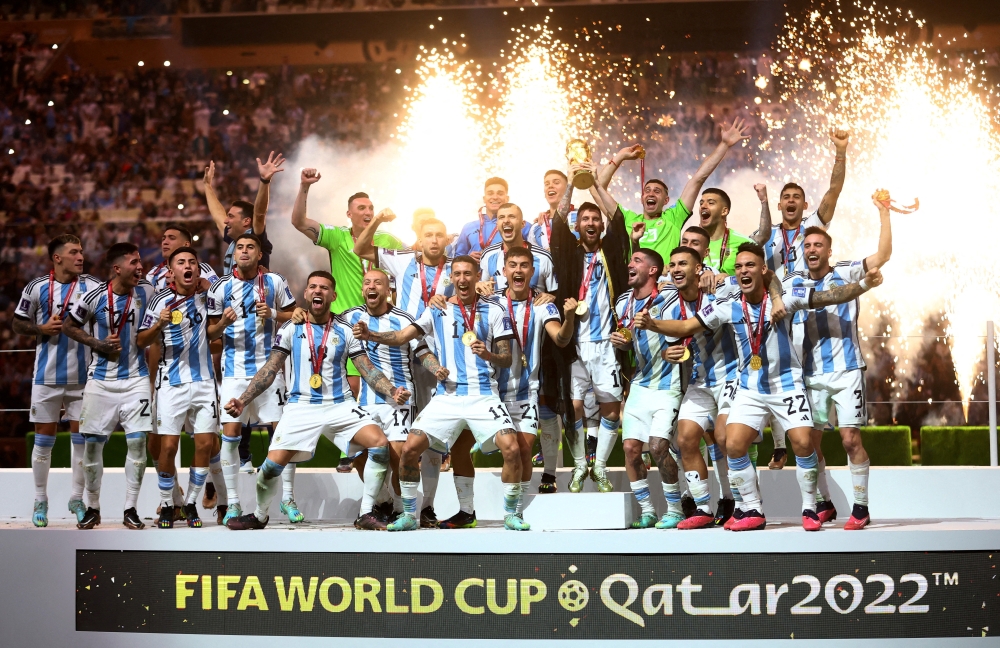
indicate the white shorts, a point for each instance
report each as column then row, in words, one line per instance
column 193, row 407
column 48, row 401
column 266, row 408
column 302, row 424
column 447, row 415
column 395, row 420
column 844, row 390
column 597, row 368
column 704, row 405
column 524, row 414
column 106, row 403
column 788, row 409
column 650, row 412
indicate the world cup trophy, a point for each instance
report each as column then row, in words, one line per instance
column 578, row 152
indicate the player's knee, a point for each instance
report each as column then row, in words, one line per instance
column 633, row 448
column 379, row 454
column 851, row 438
column 271, row 469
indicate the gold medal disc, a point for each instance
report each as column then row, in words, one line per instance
column 686, row 355
column 756, row 363
column 176, row 317
column 524, row 361
column 315, row 381
column 626, row 333
column 468, row 338
column 582, row 308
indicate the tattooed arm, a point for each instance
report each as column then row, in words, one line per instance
column 846, row 292
column 392, row 338
column 261, row 381
column 431, row 364
column 562, row 209
column 378, row 381
column 108, row 347
column 24, row 326
column 764, row 228
column 502, row 354
column 840, row 139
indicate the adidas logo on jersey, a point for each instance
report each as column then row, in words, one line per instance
column 805, row 418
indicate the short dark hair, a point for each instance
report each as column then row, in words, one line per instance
column 325, row 275
column 701, row 231
column 587, row 206
column 119, row 250
column 355, row 196
column 815, row 229
column 521, row 252
column 684, row 249
column 61, row 240
column 249, row 235
column 555, row 172
column 465, row 258
column 509, row 205
column 182, row 250
column 185, row 232
column 246, row 208
column 721, row 194
column 657, row 181
column 654, row 257
column 792, row 185
column 496, row 180
column 752, row 248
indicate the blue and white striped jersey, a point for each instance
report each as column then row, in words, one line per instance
column 340, row 345
column 781, row 370
column 394, row 362
column 159, row 275
column 538, row 235
column 713, row 352
column 520, row 381
column 58, row 359
column 830, row 335
column 185, row 356
column 406, row 268
column 246, row 343
column 491, row 267
column 784, row 261
column 651, row 370
column 596, row 325
column 93, row 308
column 468, row 374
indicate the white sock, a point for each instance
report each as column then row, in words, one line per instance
column 93, row 469
column 859, row 479
column 41, row 461
column 230, row 454
column 196, row 481
column 511, row 496
column 375, row 469
column 525, row 487
column 778, row 435
column 267, row 487
column 699, row 490
column 135, row 467
column 215, row 474
column 430, row 473
column 607, row 435
column 640, row 489
column 577, row 444
column 822, row 485
column 721, row 467
column 288, row 483
column 466, row 494
column 385, row 493
column 408, row 493
column 549, row 438
column 76, row 465
column 743, row 478
column 805, row 474
column 672, row 494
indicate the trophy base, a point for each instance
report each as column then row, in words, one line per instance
column 583, row 180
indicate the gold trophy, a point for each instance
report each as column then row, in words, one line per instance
column 578, row 152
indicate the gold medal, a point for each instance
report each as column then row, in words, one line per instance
column 316, row 381
column 176, row 317
column 755, row 362
column 626, row 333
column 686, row 355
column 582, row 308
column 524, row 361
column 468, row 338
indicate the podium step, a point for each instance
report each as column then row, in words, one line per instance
column 579, row 511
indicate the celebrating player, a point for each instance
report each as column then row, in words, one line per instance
column 60, row 371
column 175, row 322
column 713, row 211
column 314, row 355
column 245, row 309
column 117, row 389
column 770, row 376
column 510, row 222
column 481, row 233
column 554, row 186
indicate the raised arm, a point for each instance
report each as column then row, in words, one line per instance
column 364, row 247
column 880, row 258
column 607, row 172
column 261, row 381
column 670, row 328
column 731, row 134
column 267, row 171
column 829, row 203
column 562, row 209
column 306, row 225
column 215, row 207
column 763, row 232
column 846, row 292
column 561, row 334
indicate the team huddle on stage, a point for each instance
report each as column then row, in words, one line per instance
column 511, row 330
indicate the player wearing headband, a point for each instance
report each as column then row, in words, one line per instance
column 245, row 309
column 117, row 390
column 650, row 412
column 314, row 356
column 770, row 375
column 60, row 370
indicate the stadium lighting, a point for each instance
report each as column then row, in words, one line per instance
column 10, row 151
column 55, row 46
column 52, row 103
column 225, row 112
column 180, row 206
column 398, row 71
column 166, row 64
column 229, row 73
column 27, row 122
column 195, row 238
column 141, row 63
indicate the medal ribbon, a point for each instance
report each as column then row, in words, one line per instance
column 156, row 271
column 482, row 225
column 755, row 338
column 469, row 319
column 426, row 296
column 586, row 279
column 723, row 253
column 527, row 318
column 181, row 298
column 261, row 291
column 69, row 296
column 316, row 357
column 112, row 327
column 788, row 244
column 632, row 303
column 684, row 314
